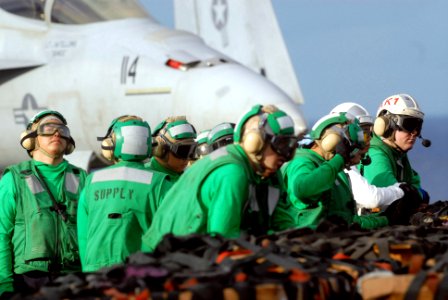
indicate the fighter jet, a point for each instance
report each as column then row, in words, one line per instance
column 95, row 60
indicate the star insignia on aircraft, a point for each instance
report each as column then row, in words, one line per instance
column 219, row 13
column 29, row 108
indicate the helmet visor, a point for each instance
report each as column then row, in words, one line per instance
column 410, row 124
column 284, row 145
column 49, row 129
column 184, row 150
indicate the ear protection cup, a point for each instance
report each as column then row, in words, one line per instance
column 27, row 141
column 253, row 142
column 238, row 134
column 70, row 147
column 383, row 126
column 330, row 140
column 107, row 148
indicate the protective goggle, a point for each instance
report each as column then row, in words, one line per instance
column 409, row 124
column 49, row 129
column 182, row 150
column 284, row 145
column 222, row 142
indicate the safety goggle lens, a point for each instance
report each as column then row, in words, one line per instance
column 184, row 151
column 49, row 129
column 410, row 125
column 285, row 146
column 221, row 143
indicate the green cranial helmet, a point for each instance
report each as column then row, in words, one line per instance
column 177, row 130
column 40, row 115
column 274, row 123
column 202, row 137
column 132, row 139
column 221, row 135
column 175, row 135
column 349, row 129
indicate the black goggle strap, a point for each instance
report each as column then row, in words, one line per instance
column 100, row 139
column 222, row 142
column 174, row 147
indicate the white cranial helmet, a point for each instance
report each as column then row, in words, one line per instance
column 355, row 110
column 400, row 104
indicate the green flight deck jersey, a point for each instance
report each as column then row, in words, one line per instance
column 388, row 166
column 116, row 207
column 37, row 233
column 208, row 198
column 318, row 189
column 153, row 164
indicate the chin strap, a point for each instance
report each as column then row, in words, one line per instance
column 52, row 156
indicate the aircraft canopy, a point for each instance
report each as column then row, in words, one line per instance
column 76, row 11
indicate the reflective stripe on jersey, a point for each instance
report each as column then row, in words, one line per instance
column 71, row 183
column 123, row 173
column 34, row 184
column 273, row 198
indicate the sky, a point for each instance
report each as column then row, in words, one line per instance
column 364, row 51
column 361, row 50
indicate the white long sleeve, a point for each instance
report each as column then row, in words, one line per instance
column 370, row 196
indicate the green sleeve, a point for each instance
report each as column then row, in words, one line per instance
column 305, row 180
column 82, row 223
column 371, row 221
column 282, row 218
column 7, row 216
column 226, row 191
column 380, row 171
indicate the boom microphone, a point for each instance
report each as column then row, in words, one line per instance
column 426, row 143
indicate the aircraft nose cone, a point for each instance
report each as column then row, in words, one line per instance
column 223, row 93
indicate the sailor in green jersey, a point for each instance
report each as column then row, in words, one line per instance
column 38, row 204
column 118, row 202
column 257, row 214
column 397, row 126
column 175, row 147
column 210, row 197
column 367, row 196
column 317, row 187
